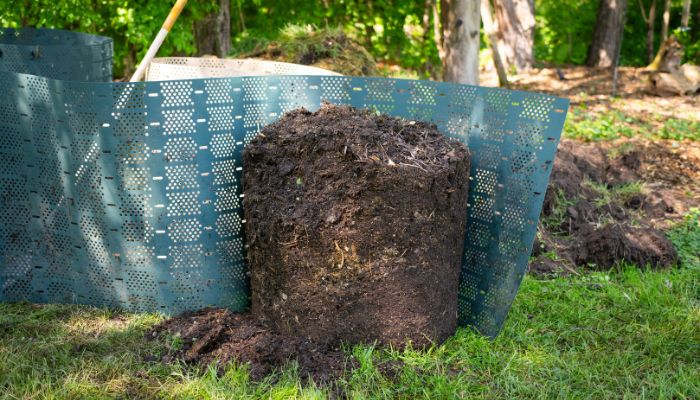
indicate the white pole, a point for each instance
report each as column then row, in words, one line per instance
column 158, row 41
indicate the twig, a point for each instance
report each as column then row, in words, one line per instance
column 414, row 166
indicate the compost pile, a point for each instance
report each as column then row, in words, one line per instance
column 610, row 202
column 328, row 48
column 355, row 229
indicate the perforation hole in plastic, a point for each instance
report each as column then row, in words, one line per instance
column 183, row 203
column 180, row 149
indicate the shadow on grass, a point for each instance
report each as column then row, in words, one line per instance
column 611, row 334
column 73, row 351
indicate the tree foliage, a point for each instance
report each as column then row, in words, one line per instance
column 132, row 24
column 394, row 31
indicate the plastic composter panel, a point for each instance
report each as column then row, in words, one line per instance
column 128, row 195
column 57, row 54
column 173, row 68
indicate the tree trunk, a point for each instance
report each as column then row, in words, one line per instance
column 438, row 34
column 369, row 33
column 369, row 28
column 607, row 36
column 241, row 20
column 460, row 23
column 225, row 24
column 427, row 9
column 685, row 18
column 649, row 22
column 665, row 20
column 213, row 33
column 650, row 31
column 516, row 32
column 129, row 63
column 326, row 7
column 490, row 30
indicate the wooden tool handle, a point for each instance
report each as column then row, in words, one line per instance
column 174, row 13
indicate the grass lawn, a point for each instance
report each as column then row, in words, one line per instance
column 620, row 334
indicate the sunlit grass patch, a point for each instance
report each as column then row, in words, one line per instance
column 556, row 218
column 584, row 124
column 613, row 335
column 617, row 194
column 686, row 239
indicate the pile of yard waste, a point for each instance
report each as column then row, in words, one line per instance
column 326, row 48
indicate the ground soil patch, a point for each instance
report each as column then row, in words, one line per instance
column 610, row 202
column 219, row 336
column 614, row 242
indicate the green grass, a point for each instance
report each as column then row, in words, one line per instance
column 607, row 126
column 557, row 216
column 628, row 334
column 617, row 194
column 679, row 129
column 686, row 238
column 625, row 335
column 584, row 125
column 622, row 334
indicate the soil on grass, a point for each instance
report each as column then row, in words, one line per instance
column 664, row 164
column 217, row 336
column 355, row 227
column 618, row 241
column 610, row 202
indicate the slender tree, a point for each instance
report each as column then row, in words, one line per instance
column 460, row 20
column 428, row 17
column 670, row 53
column 666, row 18
column 490, row 29
column 516, row 32
column 607, row 35
column 438, row 35
column 649, row 20
column 685, row 18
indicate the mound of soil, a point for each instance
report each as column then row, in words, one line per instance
column 219, row 336
column 355, row 227
column 619, row 241
column 584, row 229
column 664, row 165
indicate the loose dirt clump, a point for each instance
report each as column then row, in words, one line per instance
column 609, row 202
column 221, row 337
column 619, row 241
column 355, row 227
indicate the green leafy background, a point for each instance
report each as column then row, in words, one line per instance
column 392, row 30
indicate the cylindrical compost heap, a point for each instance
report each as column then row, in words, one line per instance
column 355, row 227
